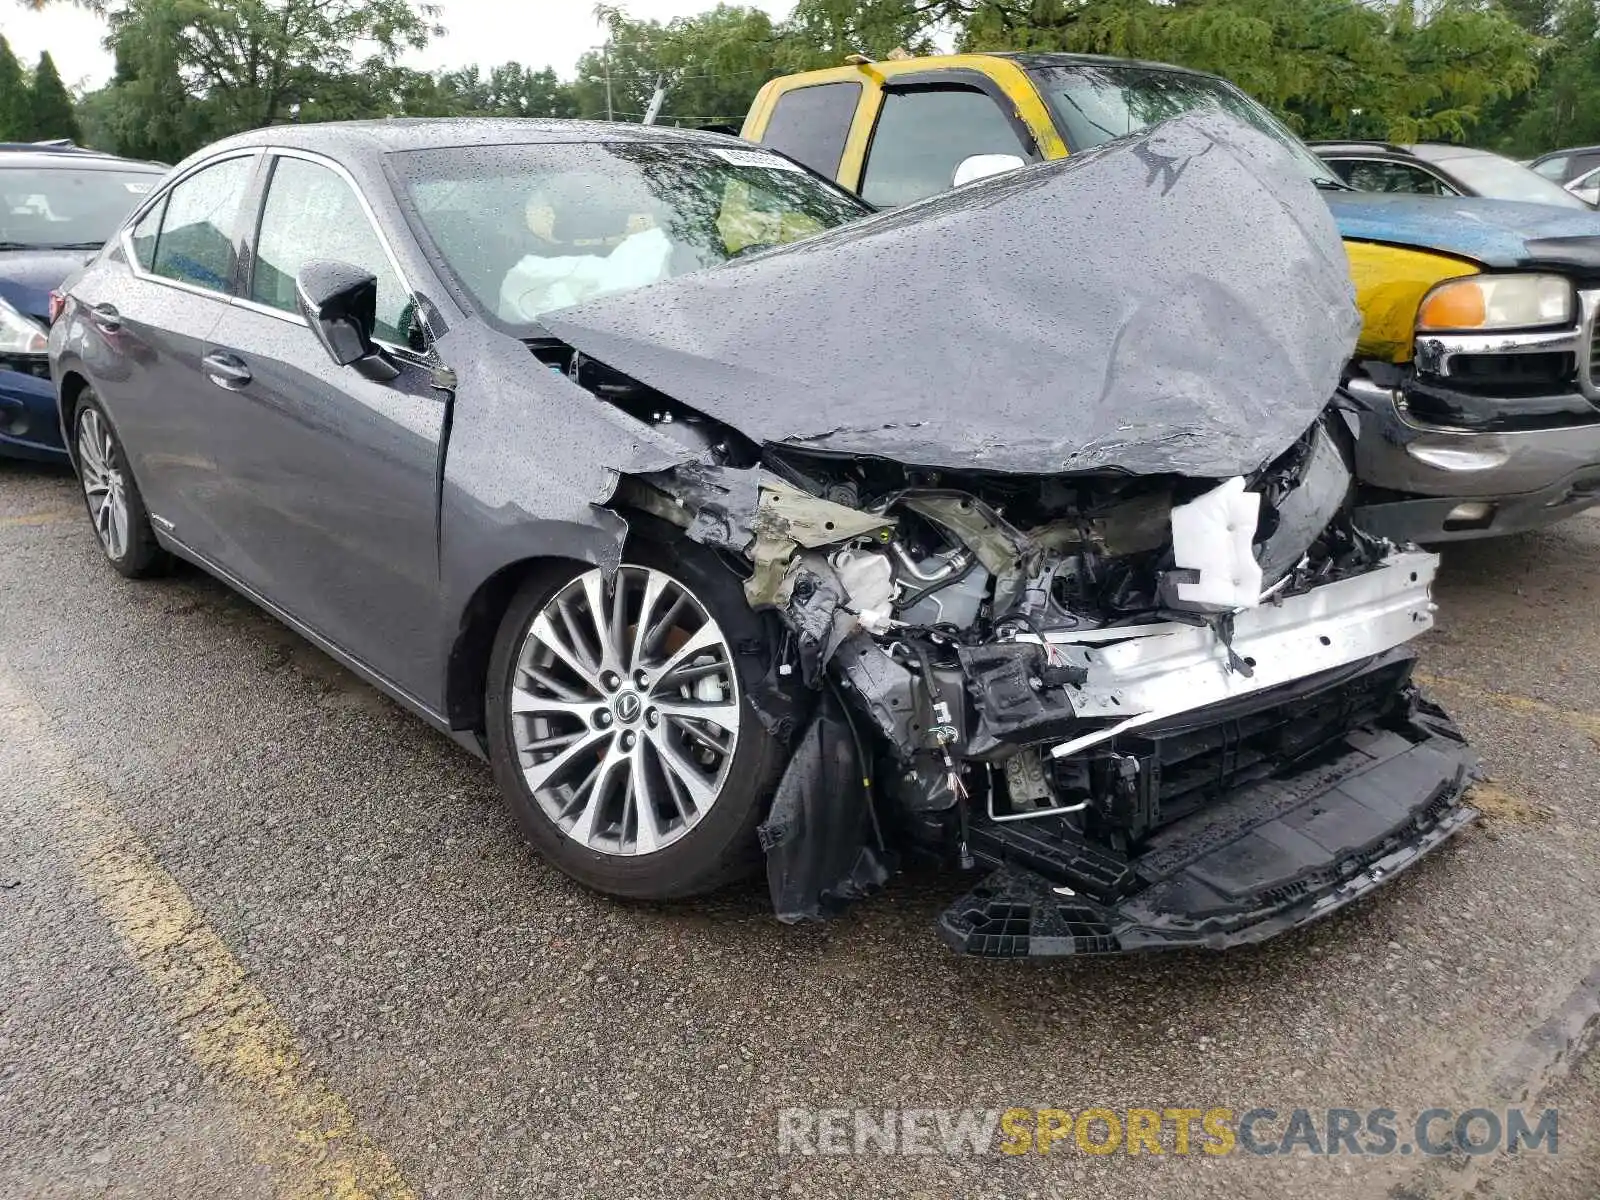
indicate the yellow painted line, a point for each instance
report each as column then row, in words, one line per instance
column 1584, row 722
column 57, row 516
column 308, row 1134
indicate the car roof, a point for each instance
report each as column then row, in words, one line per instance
column 65, row 154
column 857, row 68
column 1037, row 58
column 396, row 134
column 1361, row 145
column 1433, row 152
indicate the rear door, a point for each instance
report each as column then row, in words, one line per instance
column 151, row 313
column 332, row 479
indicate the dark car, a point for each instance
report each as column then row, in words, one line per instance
column 1437, row 169
column 58, row 204
column 722, row 516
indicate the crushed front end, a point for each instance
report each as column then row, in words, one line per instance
column 1143, row 712
column 1060, row 560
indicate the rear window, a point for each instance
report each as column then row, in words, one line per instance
column 1498, row 178
column 810, row 125
column 67, row 208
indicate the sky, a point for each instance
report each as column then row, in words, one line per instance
column 537, row 33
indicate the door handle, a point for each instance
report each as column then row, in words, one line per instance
column 226, row 370
column 106, row 316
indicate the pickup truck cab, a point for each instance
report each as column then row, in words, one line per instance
column 1476, row 375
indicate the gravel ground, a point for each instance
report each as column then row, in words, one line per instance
column 263, row 933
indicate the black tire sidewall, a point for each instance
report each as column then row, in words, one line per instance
column 143, row 555
column 722, row 847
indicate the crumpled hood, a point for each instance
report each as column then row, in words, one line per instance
column 1175, row 302
column 1494, row 233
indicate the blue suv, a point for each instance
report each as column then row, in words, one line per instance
column 58, row 205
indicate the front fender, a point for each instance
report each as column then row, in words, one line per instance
column 530, row 462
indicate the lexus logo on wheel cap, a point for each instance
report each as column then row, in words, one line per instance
column 628, row 706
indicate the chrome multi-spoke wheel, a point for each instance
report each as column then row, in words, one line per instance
column 105, row 486
column 625, row 710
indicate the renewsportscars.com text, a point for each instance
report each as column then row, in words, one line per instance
column 1214, row 1131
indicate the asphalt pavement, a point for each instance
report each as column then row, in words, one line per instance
column 262, row 933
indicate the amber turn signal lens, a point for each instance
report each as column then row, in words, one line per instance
column 1454, row 306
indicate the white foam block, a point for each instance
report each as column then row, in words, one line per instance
column 1212, row 535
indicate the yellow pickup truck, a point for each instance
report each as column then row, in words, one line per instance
column 1477, row 372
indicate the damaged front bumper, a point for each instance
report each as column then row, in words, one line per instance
column 1266, row 780
column 1432, row 483
column 1276, row 853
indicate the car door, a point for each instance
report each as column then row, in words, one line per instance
column 150, row 317
column 332, row 492
column 925, row 129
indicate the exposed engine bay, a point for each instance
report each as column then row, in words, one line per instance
column 1060, row 562
column 1047, row 676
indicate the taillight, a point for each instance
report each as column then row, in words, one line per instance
column 58, row 301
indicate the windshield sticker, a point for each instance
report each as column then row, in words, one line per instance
column 756, row 158
column 139, row 189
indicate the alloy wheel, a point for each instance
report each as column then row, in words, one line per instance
column 104, row 485
column 625, row 710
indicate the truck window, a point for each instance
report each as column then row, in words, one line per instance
column 810, row 124
column 923, row 134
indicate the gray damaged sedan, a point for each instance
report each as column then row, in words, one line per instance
column 726, row 518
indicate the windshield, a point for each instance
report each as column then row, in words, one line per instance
column 1095, row 103
column 70, row 208
column 527, row 230
column 1498, row 178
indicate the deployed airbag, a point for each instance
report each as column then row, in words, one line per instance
column 537, row 284
column 1178, row 301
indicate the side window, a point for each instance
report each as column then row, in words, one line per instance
column 1554, row 168
column 923, row 134
column 810, row 124
column 196, row 241
column 1374, row 175
column 144, row 235
column 311, row 213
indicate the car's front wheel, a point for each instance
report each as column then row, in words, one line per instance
column 112, row 497
column 620, row 729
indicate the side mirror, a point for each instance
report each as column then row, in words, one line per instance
column 981, row 166
column 340, row 303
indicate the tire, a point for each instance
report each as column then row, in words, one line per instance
column 116, row 509
column 571, row 751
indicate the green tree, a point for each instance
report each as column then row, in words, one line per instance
column 831, row 29
column 1560, row 109
column 1332, row 68
column 147, row 111
column 16, row 99
column 53, row 116
column 198, row 69
column 711, row 65
column 509, row 90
